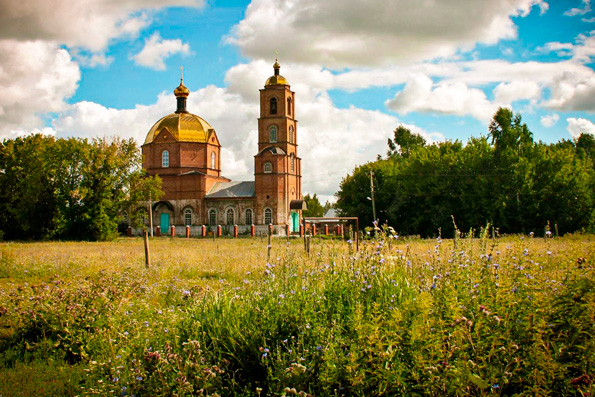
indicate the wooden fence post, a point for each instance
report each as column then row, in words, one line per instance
column 147, row 251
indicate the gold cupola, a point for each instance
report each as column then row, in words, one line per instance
column 182, row 125
column 276, row 79
column 181, row 92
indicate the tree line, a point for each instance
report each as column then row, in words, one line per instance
column 70, row 188
column 505, row 179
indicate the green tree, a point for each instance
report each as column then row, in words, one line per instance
column 404, row 142
column 315, row 209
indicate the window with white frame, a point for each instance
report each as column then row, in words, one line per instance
column 273, row 134
column 188, row 217
column 268, row 168
column 268, row 216
column 291, row 134
column 212, row 217
column 165, row 159
column 230, row 216
column 248, row 217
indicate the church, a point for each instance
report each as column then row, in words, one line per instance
column 185, row 151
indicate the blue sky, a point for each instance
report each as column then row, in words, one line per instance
column 359, row 69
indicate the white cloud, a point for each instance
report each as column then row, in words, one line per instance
column 35, row 78
column 90, row 24
column 550, row 120
column 577, row 126
column 421, row 95
column 570, row 91
column 156, row 50
column 579, row 11
column 507, row 93
column 374, row 32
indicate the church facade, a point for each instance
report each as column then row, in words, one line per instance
column 184, row 150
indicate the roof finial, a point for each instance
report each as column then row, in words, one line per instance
column 276, row 66
column 182, row 73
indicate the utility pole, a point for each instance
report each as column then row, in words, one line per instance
column 372, row 196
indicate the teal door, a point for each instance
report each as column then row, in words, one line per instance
column 164, row 223
column 295, row 222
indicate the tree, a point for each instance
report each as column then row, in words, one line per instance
column 404, row 142
column 315, row 209
column 69, row 188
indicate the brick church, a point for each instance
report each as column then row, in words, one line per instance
column 184, row 150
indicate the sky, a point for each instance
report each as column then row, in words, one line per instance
column 359, row 68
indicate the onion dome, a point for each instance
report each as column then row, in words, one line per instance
column 184, row 127
column 181, row 90
column 276, row 79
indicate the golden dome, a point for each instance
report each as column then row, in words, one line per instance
column 181, row 90
column 276, row 78
column 184, row 127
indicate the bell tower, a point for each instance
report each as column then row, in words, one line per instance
column 277, row 167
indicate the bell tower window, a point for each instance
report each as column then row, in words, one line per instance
column 273, row 134
column 165, row 159
column 291, row 134
column 273, row 105
column 292, row 159
column 268, row 168
column 213, row 160
column 289, row 106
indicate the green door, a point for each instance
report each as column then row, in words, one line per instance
column 164, row 223
column 295, row 222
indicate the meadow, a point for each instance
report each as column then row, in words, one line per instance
column 466, row 316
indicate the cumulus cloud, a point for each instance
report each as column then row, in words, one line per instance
column 507, row 93
column 90, row 24
column 549, row 120
column 421, row 95
column 156, row 50
column 577, row 126
column 35, row 78
column 579, row 11
column 374, row 32
column 570, row 91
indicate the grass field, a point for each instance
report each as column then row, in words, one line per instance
column 482, row 316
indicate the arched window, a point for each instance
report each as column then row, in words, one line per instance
column 230, row 216
column 212, row 217
column 268, row 168
column 248, row 217
column 268, row 216
column 273, row 105
column 213, row 160
column 165, row 159
column 292, row 161
column 290, row 134
column 289, row 106
column 273, row 134
column 188, row 217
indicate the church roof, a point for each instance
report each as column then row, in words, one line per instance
column 233, row 189
column 184, row 127
column 276, row 79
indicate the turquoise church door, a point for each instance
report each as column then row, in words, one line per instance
column 164, row 223
column 295, row 222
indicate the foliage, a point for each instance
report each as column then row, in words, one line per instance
column 509, row 181
column 69, row 188
column 469, row 316
column 315, row 209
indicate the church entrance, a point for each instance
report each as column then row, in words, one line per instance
column 164, row 222
column 295, row 222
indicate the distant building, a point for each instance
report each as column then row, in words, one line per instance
column 184, row 150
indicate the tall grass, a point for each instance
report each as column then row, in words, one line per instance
column 432, row 317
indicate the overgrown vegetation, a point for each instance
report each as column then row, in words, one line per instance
column 400, row 317
column 505, row 179
column 70, row 188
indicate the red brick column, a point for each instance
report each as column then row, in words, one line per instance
column 313, row 229
column 218, row 230
column 326, row 230
column 252, row 230
column 173, row 231
column 271, row 229
column 203, row 231
column 187, row 231
column 158, row 231
column 235, row 231
column 301, row 230
column 287, row 230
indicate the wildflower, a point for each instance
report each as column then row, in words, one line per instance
column 318, row 348
column 139, row 378
column 166, row 330
column 146, row 323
